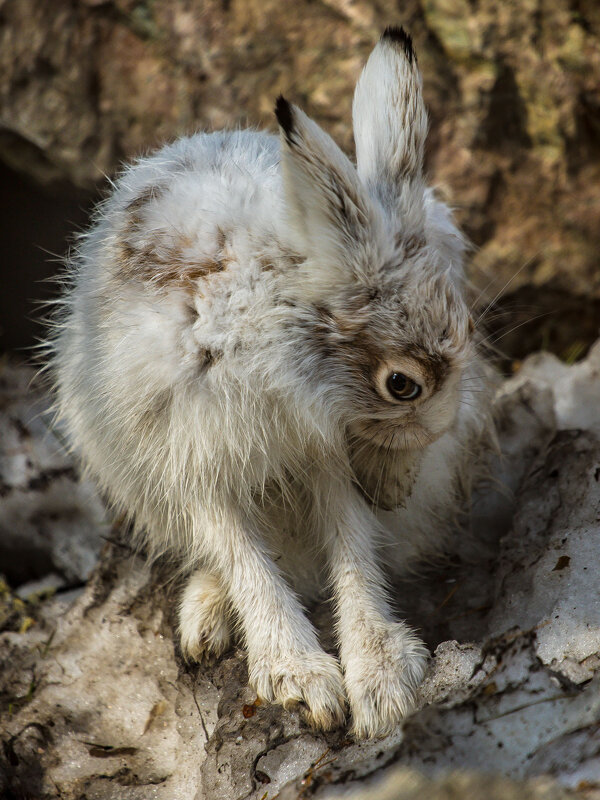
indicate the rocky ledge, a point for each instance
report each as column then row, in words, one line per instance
column 96, row 702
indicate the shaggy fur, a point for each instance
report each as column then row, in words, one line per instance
column 221, row 364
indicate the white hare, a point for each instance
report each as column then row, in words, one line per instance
column 266, row 360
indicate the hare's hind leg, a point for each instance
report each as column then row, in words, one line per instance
column 204, row 616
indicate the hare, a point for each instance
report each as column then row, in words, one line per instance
column 265, row 359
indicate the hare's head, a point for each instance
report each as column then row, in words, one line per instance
column 379, row 289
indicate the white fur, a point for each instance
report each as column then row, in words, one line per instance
column 203, row 616
column 389, row 117
column 220, row 365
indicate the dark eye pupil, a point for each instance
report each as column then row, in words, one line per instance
column 398, row 382
column 402, row 388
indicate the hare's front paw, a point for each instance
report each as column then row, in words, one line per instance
column 309, row 679
column 203, row 618
column 382, row 673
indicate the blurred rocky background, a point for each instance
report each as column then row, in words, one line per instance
column 512, row 86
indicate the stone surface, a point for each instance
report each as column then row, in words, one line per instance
column 512, row 87
column 49, row 520
column 96, row 702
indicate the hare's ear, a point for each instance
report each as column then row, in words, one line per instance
column 330, row 211
column 388, row 113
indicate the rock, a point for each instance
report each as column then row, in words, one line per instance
column 552, row 538
column 542, row 640
column 50, row 522
column 512, row 87
column 455, row 672
column 575, row 390
column 96, row 702
column 46, row 585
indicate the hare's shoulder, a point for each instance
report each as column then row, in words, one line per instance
column 234, row 159
column 178, row 215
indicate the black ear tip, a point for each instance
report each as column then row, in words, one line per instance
column 398, row 36
column 284, row 114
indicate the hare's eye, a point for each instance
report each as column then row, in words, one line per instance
column 402, row 388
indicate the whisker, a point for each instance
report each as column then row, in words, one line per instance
column 520, row 325
column 501, row 290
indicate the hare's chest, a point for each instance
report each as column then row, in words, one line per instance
column 292, row 525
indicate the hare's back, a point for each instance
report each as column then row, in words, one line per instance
column 152, row 298
column 175, row 236
column 207, row 172
column 172, row 213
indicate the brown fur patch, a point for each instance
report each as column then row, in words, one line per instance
column 163, row 262
column 209, row 357
column 166, row 267
column 413, row 244
column 266, row 264
column 281, row 257
column 349, row 334
column 434, row 365
column 150, row 193
column 363, row 352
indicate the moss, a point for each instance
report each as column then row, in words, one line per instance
column 142, row 21
column 572, row 54
column 16, row 614
column 449, row 19
column 12, row 609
